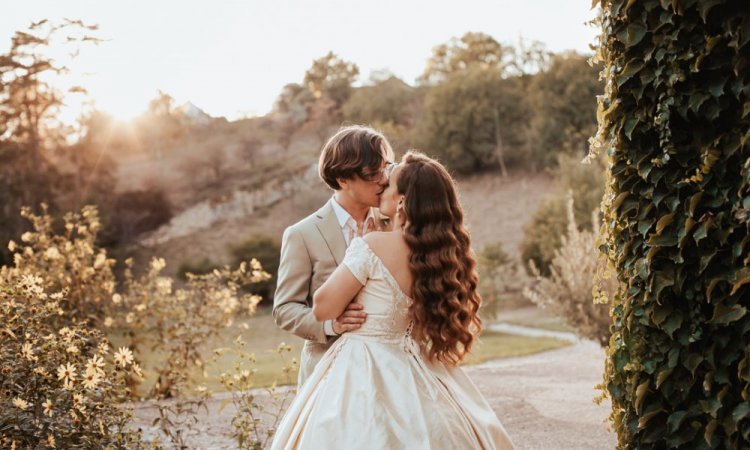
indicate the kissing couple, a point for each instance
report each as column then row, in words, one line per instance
column 387, row 308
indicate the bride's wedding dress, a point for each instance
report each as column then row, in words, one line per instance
column 373, row 389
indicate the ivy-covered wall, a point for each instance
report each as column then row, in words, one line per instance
column 675, row 124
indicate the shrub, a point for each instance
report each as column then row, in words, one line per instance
column 60, row 387
column 568, row 290
column 542, row 236
column 69, row 260
column 265, row 250
column 200, row 267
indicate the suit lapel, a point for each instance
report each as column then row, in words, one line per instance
column 330, row 229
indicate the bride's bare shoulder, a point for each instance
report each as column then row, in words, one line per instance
column 383, row 241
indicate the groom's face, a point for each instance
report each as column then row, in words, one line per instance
column 365, row 190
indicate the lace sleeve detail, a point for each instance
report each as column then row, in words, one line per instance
column 359, row 260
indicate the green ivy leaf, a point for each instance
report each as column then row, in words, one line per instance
column 675, row 420
column 727, row 314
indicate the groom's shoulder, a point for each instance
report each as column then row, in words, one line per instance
column 307, row 224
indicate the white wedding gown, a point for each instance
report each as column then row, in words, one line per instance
column 373, row 389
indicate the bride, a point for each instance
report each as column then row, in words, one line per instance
column 395, row 382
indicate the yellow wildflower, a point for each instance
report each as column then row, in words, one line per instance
column 116, row 298
column 26, row 237
column 137, row 370
column 51, row 441
column 72, row 349
column 108, row 322
column 12, row 246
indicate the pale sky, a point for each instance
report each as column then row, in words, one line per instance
column 231, row 58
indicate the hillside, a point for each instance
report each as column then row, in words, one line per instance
column 496, row 211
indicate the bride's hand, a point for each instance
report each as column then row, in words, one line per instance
column 351, row 319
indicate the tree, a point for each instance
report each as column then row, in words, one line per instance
column 471, row 50
column 160, row 125
column 474, row 119
column 674, row 122
column 331, row 77
column 562, row 102
column 386, row 101
column 30, row 131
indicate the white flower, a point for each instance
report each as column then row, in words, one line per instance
column 101, row 258
column 27, row 352
column 157, row 264
column 27, row 236
column 108, row 322
column 66, row 372
column 124, row 356
column 48, row 406
column 116, row 299
column 20, row 403
column 52, row 253
column 12, row 246
column 91, row 380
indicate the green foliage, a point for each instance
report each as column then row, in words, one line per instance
column 675, row 122
column 563, row 113
column 543, row 235
column 474, row 119
column 265, row 250
column 472, row 50
column 384, row 102
column 60, row 386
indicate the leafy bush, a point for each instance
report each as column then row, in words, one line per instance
column 60, row 387
column 542, row 236
column 183, row 319
column 675, row 124
column 568, row 291
column 501, row 280
column 68, row 260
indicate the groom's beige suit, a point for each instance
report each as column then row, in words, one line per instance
column 310, row 251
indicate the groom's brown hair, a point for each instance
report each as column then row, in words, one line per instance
column 354, row 150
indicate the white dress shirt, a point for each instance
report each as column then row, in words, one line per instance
column 349, row 229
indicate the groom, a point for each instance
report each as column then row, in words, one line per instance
column 352, row 163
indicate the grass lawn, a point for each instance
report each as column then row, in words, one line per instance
column 263, row 337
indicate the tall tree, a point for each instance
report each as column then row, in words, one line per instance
column 474, row 119
column 30, row 130
column 562, row 100
column 471, row 50
column 676, row 121
column 331, row 77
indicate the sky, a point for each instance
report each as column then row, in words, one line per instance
column 231, row 58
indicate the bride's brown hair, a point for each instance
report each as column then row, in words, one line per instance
column 442, row 263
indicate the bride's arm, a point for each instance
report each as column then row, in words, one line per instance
column 332, row 298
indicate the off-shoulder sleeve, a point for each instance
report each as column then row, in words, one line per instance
column 358, row 259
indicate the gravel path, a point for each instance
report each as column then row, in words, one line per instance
column 545, row 401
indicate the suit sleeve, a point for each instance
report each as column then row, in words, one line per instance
column 290, row 308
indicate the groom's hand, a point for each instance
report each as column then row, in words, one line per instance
column 352, row 318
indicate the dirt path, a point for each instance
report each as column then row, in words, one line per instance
column 544, row 400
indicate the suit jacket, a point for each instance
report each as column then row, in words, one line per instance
column 310, row 251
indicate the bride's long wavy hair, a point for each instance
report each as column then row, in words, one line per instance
column 442, row 263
